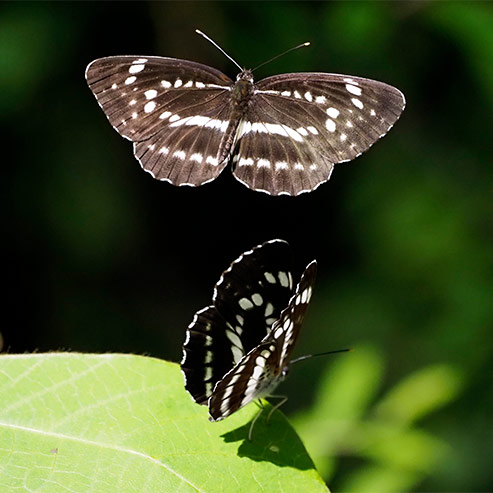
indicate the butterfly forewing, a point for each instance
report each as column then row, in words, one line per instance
column 254, row 289
column 176, row 112
column 261, row 370
column 300, row 125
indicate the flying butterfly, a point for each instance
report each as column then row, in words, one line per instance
column 239, row 348
column 283, row 134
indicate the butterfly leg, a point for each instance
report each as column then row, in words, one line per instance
column 282, row 398
column 259, row 403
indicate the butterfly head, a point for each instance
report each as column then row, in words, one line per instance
column 245, row 75
column 284, row 372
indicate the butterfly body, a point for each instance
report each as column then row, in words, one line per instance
column 283, row 134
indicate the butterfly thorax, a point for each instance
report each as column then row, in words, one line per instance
column 242, row 90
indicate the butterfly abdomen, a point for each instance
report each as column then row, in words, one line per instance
column 241, row 95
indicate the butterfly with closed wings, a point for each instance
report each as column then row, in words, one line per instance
column 239, row 349
column 283, row 134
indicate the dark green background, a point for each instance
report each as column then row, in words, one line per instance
column 102, row 258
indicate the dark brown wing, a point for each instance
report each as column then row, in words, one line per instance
column 299, row 125
column 176, row 112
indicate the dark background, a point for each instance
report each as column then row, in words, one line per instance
column 99, row 257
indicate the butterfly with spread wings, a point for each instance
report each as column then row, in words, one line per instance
column 283, row 134
column 239, row 349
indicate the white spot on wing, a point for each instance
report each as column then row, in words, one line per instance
column 333, row 112
column 135, row 69
column 180, row 155
column 165, row 84
column 257, row 299
column 245, row 162
column 150, row 94
column 263, row 163
column 178, row 83
column 245, row 303
column 149, row 107
column 196, row 157
column 357, row 103
column 269, row 309
column 237, row 353
column 283, row 279
column 259, row 361
column 130, row 80
column 353, row 89
column 331, row 125
column 198, row 120
column 233, row 337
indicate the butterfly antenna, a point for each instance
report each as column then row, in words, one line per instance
column 282, row 54
column 306, row 356
column 217, row 46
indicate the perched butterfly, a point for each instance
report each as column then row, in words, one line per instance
column 239, row 348
column 282, row 134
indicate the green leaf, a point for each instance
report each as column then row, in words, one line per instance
column 102, row 423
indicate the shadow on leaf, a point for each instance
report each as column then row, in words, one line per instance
column 275, row 442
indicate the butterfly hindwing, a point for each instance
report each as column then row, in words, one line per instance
column 246, row 381
column 209, row 352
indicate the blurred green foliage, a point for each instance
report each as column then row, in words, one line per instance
column 345, row 422
column 100, row 257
